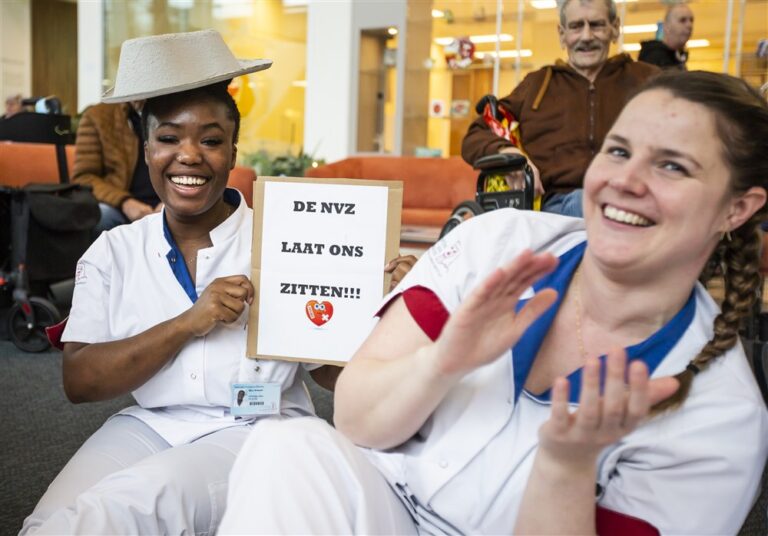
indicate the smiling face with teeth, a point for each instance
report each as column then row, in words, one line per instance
column 657, row 198
column 190, row 151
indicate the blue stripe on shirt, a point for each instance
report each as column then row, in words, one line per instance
column 651, row 351
column 176, row 258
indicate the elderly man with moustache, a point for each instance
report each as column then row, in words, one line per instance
column 670, row 52
column 565, row 110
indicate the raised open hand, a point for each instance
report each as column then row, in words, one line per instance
column 577, row 438
column 223, row 301
column 486, row 324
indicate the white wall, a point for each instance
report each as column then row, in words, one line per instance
column 90, row 52
column 369, row 15
column 15, row 49
column 333, row 48
column 329, row 67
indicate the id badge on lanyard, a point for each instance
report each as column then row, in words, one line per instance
column 250, row 399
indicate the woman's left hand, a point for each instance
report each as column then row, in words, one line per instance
column 576, row 439
column 399, row 267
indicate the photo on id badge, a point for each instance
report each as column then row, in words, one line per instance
column 255, row 399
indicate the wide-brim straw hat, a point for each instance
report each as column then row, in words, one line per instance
column 171, row 63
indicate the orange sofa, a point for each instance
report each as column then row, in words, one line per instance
column 23, row 163
column 432, row 187
column 242, row 178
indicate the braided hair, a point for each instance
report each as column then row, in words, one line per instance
column 741, row 119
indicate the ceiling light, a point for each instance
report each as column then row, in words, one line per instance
column 438, row 14
column 392, row 30
column 524, row 53
column 181, row 4
column 640, row 28
column 693, row 43
column 697, row 43
column 231, row 9
column 476, row 39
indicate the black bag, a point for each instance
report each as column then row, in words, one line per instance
column 61, row 218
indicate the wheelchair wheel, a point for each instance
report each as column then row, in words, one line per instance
column 31, row 337
column 462, row 212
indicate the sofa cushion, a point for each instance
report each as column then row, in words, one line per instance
column 432, row 187
column 430, row 217
column 23, row 163
column 242, row 178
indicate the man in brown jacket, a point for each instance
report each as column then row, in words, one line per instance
column 110, row 157
column 566, row 109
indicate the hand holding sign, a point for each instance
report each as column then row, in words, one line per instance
column 399, row 267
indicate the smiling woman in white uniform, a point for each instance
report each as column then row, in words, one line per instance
column 492, row 392
column 159, row 311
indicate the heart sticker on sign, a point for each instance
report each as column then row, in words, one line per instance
column 319, row 312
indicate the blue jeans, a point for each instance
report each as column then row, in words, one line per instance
column 569, row 204
column 110, row 217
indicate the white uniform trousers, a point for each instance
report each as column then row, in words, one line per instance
column 126, row 479
column 307, row 478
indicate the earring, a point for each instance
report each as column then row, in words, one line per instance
column 726, row 236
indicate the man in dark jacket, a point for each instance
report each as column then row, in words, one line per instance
column 566, row 109
column 670, row 52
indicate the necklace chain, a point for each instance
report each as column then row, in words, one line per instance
column 577, row 299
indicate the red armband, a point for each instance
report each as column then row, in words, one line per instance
column 609, row 522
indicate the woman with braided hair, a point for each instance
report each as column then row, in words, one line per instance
column 542, row 374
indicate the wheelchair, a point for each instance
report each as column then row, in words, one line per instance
column 44, row 229
column 505, row 180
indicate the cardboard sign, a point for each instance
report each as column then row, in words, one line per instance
column 319, row 250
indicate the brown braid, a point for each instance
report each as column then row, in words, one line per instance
column 741, row 116
column 741, row 265
column 714, row 265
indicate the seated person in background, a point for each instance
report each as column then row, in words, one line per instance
column 670, row 53
column 494, row 395
column 13, row 105
column 160, row 309
column 565, row 110
column 109, row 156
